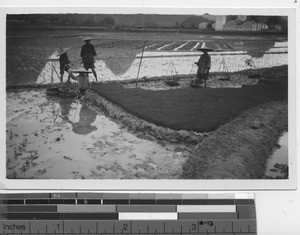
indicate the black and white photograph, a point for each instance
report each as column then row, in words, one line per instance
column 147, row 96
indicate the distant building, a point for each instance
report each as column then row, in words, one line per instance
column 231, row 25
column 244, row 26
column 253, row 26
column 220, row 22
column 242, row 17
column 248, row 26
column 262, row 26
column 241, row 23
column 202, row 25
column 277, row 27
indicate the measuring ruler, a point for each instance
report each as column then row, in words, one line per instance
column 127, row 213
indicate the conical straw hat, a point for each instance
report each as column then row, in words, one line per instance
column 61, row 51
column 88, row 38
column 204, row 48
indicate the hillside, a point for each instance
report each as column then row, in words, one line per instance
column 130, row 20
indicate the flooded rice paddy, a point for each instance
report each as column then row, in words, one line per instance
column 161, row 62
column 277, row 163
column 66, row 139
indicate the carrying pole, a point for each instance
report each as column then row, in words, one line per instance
column 140, row 64
column 51, row 73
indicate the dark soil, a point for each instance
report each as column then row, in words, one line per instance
column 239, row 149
column 200, row 110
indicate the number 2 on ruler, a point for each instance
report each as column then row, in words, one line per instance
column 125, row 226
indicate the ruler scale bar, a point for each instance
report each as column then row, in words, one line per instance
column 169, row 202
column 225, row 215
column 62, row 201
column 131, row 226
column 27, row 208
column 148, row 216
column 142, row 201
column 89, row 201
column 126, row 213
column 126, row 202
column 146, row 208
column 115, row 201
column 63, row 195
column 86, row 208
column 69, row 198
column 36, row 201
column 120, row 216
column 62, row 216
column 207, row 208
column 89, row 195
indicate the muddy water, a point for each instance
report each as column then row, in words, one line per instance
column 163, row 63
column 65, row 139
column 278, row 159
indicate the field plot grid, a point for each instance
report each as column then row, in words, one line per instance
column 144, row 111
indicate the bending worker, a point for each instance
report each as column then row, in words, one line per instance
column 204, row 64
column 64, row 63
column 87, row 54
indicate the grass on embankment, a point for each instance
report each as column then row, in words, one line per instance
column 239, row 149
column 200, row 110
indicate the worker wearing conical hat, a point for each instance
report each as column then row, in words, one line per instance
column 87, row 54
column 82, row 80
column 204, row 64
column 64, row 62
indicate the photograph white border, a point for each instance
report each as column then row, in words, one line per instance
column 254, row 8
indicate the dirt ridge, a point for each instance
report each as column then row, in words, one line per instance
column 239, row 149
column 141, row 126
column 236, row 150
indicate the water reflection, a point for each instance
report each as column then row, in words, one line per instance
column 48, row 136
column 276, row 165
column 257, row 50
column 83, row 124
column 121, row 62
column 65, row 106
column 86, row 118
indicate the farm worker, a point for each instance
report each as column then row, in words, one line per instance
column 82, row 80
column 64, row 62
column 87, row 55
column 204, row 64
